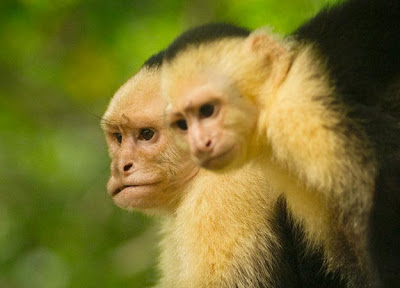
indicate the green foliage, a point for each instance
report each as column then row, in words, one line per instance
column 60, row 63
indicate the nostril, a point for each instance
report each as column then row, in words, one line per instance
column 127, row 167
column 208, row 144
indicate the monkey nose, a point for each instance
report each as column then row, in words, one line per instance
column 126, row 167
column 203, row 148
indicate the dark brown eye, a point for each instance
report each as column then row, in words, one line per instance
column 181, row 124
column 206, row 110
column 146, row 134
column 118, row 137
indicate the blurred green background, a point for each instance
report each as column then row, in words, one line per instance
column 60, row 63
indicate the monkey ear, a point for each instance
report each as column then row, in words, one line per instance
column 263, row 43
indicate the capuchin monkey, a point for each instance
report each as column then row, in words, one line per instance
column 319, row 112
column 218, row 230
column 148, row 172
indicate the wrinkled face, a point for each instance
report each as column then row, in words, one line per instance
column 148, row 169
column 211, row 115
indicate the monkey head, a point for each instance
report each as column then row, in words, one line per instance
column 148, row 169
column 214, row 92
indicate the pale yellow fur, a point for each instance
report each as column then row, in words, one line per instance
column 321, row 170
column 305, row 137
column 216, row 228
column 214, row 233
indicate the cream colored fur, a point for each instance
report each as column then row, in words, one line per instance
column 218, row 235
column 304, row 125
column 217, row 228
column 326, row 174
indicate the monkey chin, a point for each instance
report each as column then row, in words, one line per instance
column 137, row 197
column 224, row 160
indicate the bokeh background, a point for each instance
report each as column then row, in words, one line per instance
column 60, row 63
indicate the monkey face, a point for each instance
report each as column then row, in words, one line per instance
column 147, row 168
column 214, row 120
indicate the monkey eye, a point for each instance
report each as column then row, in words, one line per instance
column 146, row 134
column 206, row 110
column 118, row 137
column 181, row 124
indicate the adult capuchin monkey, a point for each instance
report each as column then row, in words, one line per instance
column 219, row 230
column 319, row 111
column 148, row 171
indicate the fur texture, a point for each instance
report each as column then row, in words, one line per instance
column 325, row 134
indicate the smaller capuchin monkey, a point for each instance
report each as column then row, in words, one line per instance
column 219, row 230
column 318, row 112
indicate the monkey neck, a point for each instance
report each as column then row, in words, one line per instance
column 215, row 231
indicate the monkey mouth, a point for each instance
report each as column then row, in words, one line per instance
column 118, row 190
